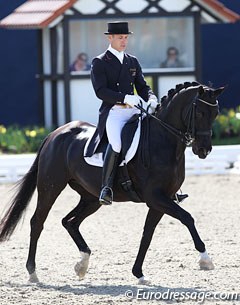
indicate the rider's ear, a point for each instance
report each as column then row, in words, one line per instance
column 219, row 91
column 200, row 90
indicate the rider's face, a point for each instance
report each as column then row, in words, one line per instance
column 118, row 41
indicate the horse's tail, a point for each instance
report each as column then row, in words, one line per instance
column 25, row 189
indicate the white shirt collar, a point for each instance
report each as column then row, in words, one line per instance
column 119, row 55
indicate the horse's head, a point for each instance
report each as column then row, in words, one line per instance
column 204, row 111
column 188, row 113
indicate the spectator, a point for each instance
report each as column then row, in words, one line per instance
column 80, row 63
column 172, row 60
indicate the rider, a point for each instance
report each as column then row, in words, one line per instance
column 114, row 75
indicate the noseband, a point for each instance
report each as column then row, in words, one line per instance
column 189, row 136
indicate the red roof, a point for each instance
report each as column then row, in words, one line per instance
column 36, row 13
column 219, row 9
column 40, row 13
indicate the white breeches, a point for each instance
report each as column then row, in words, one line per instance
column 117, row 118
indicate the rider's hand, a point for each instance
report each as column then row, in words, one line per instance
column 131, row 100
column 152, row 104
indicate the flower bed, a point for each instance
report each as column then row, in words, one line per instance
column 226, row 128
column 21, row 140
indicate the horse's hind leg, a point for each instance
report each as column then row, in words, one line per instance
column 45, row 201
column 87, row 206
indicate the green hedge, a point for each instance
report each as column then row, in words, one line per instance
column 226, row 131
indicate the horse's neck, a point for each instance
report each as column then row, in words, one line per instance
column 162, row 138
column 172, row 113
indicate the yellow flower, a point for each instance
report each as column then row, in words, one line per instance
column 231, row 113
column 32, row 133
column 41, row 130
column 3, row 129
column 222, row 119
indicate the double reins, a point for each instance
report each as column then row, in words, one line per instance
column 186, row 137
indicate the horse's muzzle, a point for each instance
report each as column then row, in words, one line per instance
column 201, row 152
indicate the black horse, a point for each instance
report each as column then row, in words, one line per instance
column 184, row 116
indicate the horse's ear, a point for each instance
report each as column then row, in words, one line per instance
column 219, row 91
column 200, row 90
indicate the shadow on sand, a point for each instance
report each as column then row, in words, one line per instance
column 138, row 292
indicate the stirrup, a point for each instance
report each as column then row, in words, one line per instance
column 180, row 197
column 106, row 196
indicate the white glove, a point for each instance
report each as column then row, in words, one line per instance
column 131, row 100
column 152, row 104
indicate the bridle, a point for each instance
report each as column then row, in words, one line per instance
column 189, row 136
column 191, row 132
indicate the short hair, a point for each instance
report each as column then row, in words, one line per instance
column 82, row 56
column 172, row 49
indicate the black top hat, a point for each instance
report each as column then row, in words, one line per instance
column 117, row 27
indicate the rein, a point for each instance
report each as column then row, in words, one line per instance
column 189, row 136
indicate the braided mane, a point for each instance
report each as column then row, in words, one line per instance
column 165, row 99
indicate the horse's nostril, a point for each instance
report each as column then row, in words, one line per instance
column 202, row 152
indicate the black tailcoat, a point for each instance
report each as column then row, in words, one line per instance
column 111, row 82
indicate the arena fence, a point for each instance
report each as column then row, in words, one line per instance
column 222, row 160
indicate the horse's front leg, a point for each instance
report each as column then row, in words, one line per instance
column 152, row 219
column 168, row 206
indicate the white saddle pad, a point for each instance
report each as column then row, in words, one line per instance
column 97, row 159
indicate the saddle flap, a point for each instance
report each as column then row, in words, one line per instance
column 130, row 138
column 128, row 133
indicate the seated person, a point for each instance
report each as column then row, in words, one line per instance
column 80, row 63
column 172, row 60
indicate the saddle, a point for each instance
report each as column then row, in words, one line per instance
column 130, row 140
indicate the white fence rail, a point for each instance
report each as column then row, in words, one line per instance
column 222, row 160
column 14, row 167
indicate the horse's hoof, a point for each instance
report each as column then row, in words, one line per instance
column 33, row 278
column 206, row 264
column 143, row 281
column 82, row 266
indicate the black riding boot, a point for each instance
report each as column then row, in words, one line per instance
column 110, row 165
